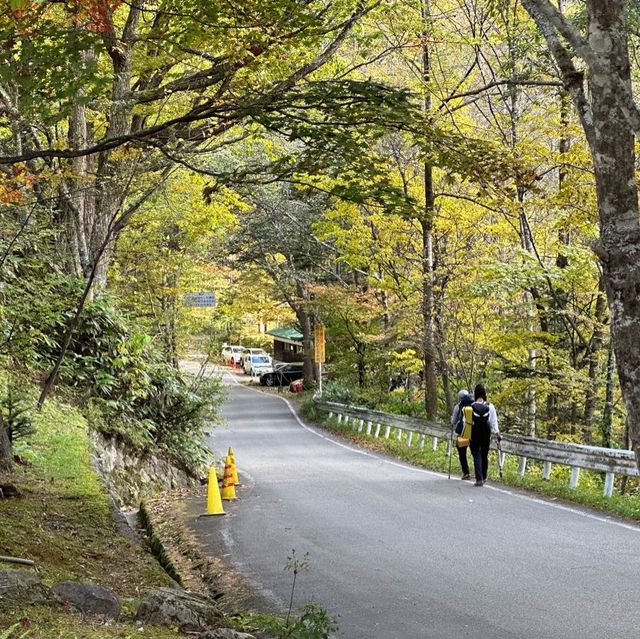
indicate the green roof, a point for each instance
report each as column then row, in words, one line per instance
column 286, row 333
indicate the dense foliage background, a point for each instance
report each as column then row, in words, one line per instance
column 411, row 174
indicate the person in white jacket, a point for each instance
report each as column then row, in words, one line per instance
column 485, row 423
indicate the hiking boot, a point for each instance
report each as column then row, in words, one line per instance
column 479, row 483
column 466, row 477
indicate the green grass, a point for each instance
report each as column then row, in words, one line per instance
column 588, row 493
column 64, row 523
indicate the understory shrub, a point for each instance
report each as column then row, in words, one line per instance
column 114, row 370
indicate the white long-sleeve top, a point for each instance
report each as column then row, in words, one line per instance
column 493, row 417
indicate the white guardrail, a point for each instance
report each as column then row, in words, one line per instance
column 378, row 424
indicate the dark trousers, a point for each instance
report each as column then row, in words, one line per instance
column 462, row 455
column 480, row 441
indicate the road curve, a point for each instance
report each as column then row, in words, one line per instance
column 400, row 552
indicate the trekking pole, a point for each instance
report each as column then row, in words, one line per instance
column 500, row 456
column 450, row 450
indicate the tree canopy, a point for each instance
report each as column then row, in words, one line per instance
column 449, row 186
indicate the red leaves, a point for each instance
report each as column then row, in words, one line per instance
column 96, row 14
column 15, row 184
column 93, row 15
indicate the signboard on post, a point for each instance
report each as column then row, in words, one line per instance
column 199, row 300
column 318, row 341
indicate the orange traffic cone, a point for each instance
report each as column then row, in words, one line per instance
column 214, row 503
column 234, row 469
column 228, row 488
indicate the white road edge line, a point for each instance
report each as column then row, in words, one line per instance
column 504, row 491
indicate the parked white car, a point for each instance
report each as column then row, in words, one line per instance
column 232, row 354
column 247, row 352
column 257, row 364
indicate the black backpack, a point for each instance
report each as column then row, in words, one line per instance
column 480, row 416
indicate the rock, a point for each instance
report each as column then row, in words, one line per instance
column 90, row 599
column 225, row 633
column 8, row 491
column 176, row 607
column 23, row 586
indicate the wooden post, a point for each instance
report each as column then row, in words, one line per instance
column 377, row 433
column 387, row 432
column 575, row 476
column 434, row 443
column 608, row 484
column 448, row 453
column 330, row 415
column 369, row 425
column 339, row 418
column 409, row 438
column 522, row 466
column 546, row 471
column 398, row 433
column 360, row 425
column 422, row 440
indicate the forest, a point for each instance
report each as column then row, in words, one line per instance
column 448, row 186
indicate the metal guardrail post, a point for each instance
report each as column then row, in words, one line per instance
column 522, row 466
column 608, row 484
column 575, row 477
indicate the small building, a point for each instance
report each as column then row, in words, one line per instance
column 287, row 344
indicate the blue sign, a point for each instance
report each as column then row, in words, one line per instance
column 199, row 300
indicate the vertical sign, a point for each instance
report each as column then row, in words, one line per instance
column 318, row 340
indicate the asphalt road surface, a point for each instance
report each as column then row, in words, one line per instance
column 400, row 552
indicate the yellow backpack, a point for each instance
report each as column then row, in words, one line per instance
column 465, row 436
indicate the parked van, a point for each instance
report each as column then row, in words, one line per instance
column 232, row 354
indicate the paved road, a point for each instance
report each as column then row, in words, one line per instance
column 399, row 552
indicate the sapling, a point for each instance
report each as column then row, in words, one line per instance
column 295, row 564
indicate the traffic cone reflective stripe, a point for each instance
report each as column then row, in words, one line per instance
column 228, row 487
column 234, row 468
column 214, row 502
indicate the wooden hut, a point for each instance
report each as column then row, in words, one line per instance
column 287, row 344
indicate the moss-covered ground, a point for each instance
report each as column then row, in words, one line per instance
column 64, row 523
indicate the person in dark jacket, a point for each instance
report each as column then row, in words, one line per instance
column 457, row 422
column 485, row 423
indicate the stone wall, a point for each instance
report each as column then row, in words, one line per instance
column 131, row 478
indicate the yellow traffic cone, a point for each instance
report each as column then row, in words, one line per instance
column 214, row 503
column 228, row 488
column 234, row 468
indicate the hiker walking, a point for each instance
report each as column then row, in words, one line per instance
column 457, row 422
column 485, row 422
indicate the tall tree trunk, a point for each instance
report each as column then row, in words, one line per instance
column 444, row 367
column 608, row 117
column 307, row 346
column 426, row 224
column 362, row 365
column 614, row 161
column 607, row 413
column 306, row 326
column 593, row 356
column 169, row 306
column 6, row 453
